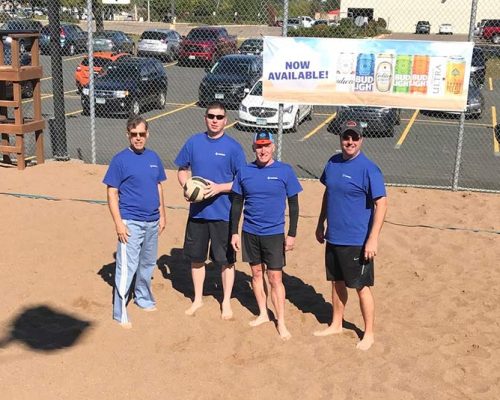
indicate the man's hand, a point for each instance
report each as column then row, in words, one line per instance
column 122, row 232
column 212, row 189
column 320, row 234
column 289, row 243
column 371, row 246
column 235, row 242
column 161, row 225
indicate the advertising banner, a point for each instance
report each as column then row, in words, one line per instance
column 411, row 74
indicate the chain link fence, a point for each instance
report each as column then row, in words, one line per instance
column 167, row 59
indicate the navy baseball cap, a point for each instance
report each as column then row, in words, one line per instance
column 352, row 128
column 263, row 138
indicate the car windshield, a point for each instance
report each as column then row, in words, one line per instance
column 231, row 67
column 252, row 43
column 106, row 35
column 122, row 71
column 257, row 89
column 202, row 34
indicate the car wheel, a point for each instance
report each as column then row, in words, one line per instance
column 310, row 115
column 295, row 125
column 72, row 50
column 390, row 132
column 22, row 47
column 162, row 100
column 86, row 110
column 496, row 39
column 497, row 132
column 28, row 90
column 135, row 107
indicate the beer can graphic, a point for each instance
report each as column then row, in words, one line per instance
column 346, row 72
column 402, row 74
column 455, row 75
column 419, row 74
column 383, row 72
column 437, row 76
column 365, row 68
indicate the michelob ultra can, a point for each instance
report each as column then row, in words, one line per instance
column 383, row 72
column 346, row 72
column 437, row 76
column 419, row 74
column 455, row 75
column 365, row 68
column 402, row 74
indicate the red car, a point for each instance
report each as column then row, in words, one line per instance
column 101, row 61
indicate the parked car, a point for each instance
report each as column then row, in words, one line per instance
column 325, row 22
column 206, row 44
column 491, row 30
column 101, row 61
column 228, row 79
column 116, row 41
column 255, row 112
column 478, row 66
column 375, row 120
column 26, row 86
column 72, row 39
column 19, row 26
column 293, row 23
column 252, row 46
column 127, row 86
column 160, row 43
column 475, row 105
column 423, row 27
column 446, row 29
column 305, row 21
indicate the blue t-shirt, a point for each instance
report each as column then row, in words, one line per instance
column 217, row 160
column 265, row 190
column 351, row 186
column 136, row 176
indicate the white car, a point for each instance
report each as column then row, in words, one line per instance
column 255, row 112
column 446, row 29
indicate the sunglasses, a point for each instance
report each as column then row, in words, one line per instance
column 138, row 134
column 215, row 116
column 354, row 138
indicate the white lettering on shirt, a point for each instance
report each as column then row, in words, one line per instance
column 153, row 166
column 220, row 154
column 346, row 176
column 272, row 177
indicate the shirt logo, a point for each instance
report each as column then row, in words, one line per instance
column 346, row 176
column 153, row 166
column 272, row 177
column 220, row 154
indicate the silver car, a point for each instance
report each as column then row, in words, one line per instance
column 159, row 43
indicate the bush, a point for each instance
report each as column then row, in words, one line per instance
column 381, row 23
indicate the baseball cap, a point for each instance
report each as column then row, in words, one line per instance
column 263, row 138
column 352, row 127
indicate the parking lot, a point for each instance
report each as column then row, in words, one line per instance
column 422, row 151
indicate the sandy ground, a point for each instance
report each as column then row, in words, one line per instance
column 437, row 290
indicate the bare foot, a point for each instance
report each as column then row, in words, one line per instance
column 227, row 312
column 126, row 325
column 149, row 309
column 261, row 319
column 331, row 330
column 194, row 307
column 284, row 333
column 366, row 342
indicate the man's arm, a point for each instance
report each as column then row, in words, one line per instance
column 121, row 229
column 320, row 227
column 163, row 220
column 371, row 245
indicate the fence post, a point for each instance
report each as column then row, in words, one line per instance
column 280, row 105
column 91, row 81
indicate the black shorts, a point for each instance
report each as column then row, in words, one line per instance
column 200, row 233
column 265, row 249
column 347, row 263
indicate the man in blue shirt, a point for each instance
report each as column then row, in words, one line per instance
column 135, row 200
column 216, row 157
column 262, row 188
column 354, row 206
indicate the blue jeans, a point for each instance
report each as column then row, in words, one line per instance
column 138, row 257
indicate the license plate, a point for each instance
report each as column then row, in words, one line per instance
column 192, row 57
column 98, row 100
column 219, row 96
column 261, row 121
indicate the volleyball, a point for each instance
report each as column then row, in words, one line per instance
column 195, row 189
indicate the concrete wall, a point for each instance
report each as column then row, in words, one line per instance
column 402, row 15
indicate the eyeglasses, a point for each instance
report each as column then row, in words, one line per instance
column 136, row 134
column 216, row 116
column 353, row 138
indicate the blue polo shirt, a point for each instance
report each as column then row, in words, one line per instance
column 265, row 190
column 136, row 176
column 351, row 187
column 217, row 160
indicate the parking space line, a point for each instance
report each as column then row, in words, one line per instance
column 171, row 112
column 315, row 130
column 456, row 122
column 73, row 58
column 170, row 64
column 231, row 125
column 46, row 78
column 73, row 112
column 496, row 146
column 490, row 83
column 407, row 129
column 47, row 96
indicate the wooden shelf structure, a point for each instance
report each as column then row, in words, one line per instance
column 19, row 126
